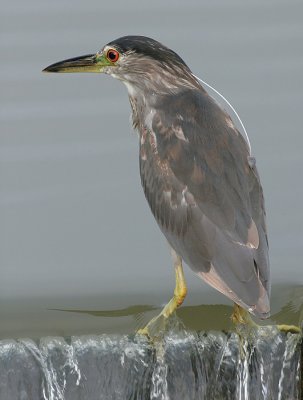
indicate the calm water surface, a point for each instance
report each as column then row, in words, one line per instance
column 76, row 232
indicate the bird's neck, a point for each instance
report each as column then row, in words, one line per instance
column 140, row 111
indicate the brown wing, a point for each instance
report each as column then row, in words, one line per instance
column 204, row 190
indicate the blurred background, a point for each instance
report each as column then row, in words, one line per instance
column 76, row 232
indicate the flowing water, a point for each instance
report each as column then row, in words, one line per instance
column 182, row 366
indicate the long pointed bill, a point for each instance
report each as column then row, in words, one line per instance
column 87, row 63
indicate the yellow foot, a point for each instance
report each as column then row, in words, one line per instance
column 289, row 328
column 154, row 328
column 241, row 317
column 144, row 332
column 157, row 326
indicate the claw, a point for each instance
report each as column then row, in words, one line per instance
column 242, row 317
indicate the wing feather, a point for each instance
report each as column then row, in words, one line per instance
column 204, row 190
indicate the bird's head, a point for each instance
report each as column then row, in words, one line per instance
column 140, row 62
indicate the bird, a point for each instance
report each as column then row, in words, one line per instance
column 197, row 172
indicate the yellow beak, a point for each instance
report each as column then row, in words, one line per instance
column 87, row 63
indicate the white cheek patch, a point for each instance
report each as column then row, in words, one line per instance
column 109, row 71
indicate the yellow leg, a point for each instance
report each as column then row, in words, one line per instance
column 180, row 291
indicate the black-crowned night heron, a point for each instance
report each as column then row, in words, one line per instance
column 198, row 175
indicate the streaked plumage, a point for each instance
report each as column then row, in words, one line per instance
column 198, row 176
column 204, row 191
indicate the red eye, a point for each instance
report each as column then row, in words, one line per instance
column 112, row 55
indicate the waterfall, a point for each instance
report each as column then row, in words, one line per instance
column 181, row 366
